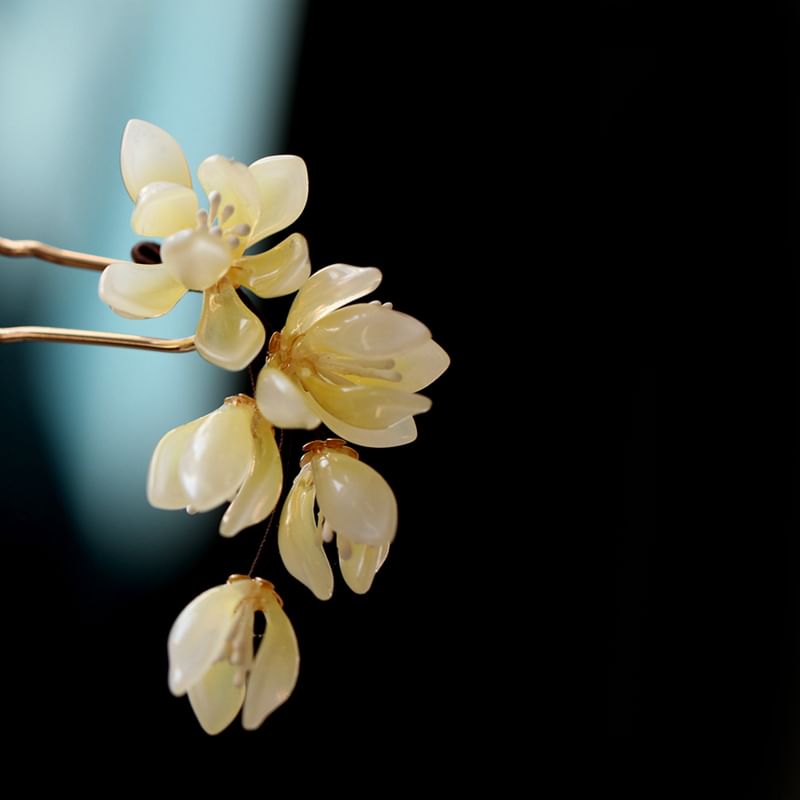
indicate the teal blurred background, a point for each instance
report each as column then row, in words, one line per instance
column 218, row 78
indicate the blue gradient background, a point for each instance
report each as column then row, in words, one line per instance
column 219, row 81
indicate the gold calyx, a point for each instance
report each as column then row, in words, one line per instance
column 319, row 446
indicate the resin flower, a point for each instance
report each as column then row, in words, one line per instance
column 228, row 455
column 210, row 650
column 204, row 249
column 355, row 503
column 356, row 368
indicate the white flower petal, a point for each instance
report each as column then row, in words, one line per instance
column 354, row 499
column 215, row 698
column 278, row 271
column 217, row 457
column 300, row 541
column 402, row 432
column 139, row 291
column 329, row 289
column 195, row 258
column 164, row 208
column 359, row 562
column 229, row 335
column 150, row 154
column 164, row 487
column 198, row 635
column 283, row 190
column 365, row 406
column 237, row 186
column 366, row 330
column 275, row 669
column 282, row 401
column 262, row 487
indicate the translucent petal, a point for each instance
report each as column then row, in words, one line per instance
column 366, row 329
column 196, row 258
column 275, row 669
column 198, row 635
column 215, row 698
column 164, row 487
column 262, row 487
column 279, row 271
column 329, row 289
column 282, row 401
column 359, row 562
column 237, row 186
column 365, row 406
column 354, row 498
column 218, row 456
column 164, row 208
column 150, row 154
column 395, row 435
column 229, row 335
column 300, row 541
column 283, row 191
column 139, row 291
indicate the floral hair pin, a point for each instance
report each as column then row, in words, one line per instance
column 356, row 367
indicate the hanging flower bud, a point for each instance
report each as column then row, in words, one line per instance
column 228, row 455
column 356, row 506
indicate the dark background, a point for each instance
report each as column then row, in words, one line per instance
column 601, row 229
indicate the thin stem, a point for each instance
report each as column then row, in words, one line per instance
column 21, row 248
column 33, row 333
column 270, row 521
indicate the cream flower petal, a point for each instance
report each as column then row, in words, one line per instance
column 365, row 406
column 402, row 432
column 198, row 635
column 279, row 271
column 359, row 562
column 139, row 291
column 366, row 329
column 420, row 367
column 237, row 186
column 218, row 457
column 300, row 541
column 150, row 154
column 215, row 698
column 164, row 208
column 283, row 190
column 262, row 487
column 355, row 500
column 329, row 289
column 229, row 335
column 164, row 487
column 275, row 669
column 282, row 401
column 195, row 258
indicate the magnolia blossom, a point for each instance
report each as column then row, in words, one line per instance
column 204, row 249
column 355, row 503
column 228, row 455
column 210, row 650
column 354, row 367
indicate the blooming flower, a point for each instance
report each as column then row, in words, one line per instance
column 204, row 249
column 356, row 368
column 355, row 503
column 210, row 650
column 230, row 454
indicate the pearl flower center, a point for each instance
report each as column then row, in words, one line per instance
column 200, row 257
column 215, row 218
column 295, row 356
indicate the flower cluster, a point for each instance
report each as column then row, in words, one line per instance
column 356, row 367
